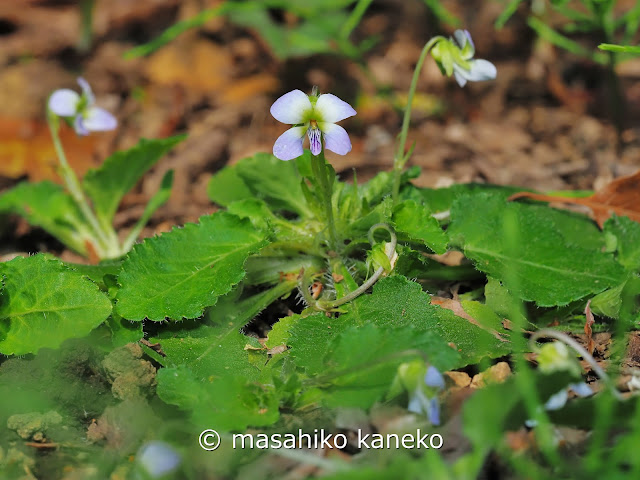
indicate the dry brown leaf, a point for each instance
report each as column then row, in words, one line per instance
column 196, row 64
column 26, row 148
column 456, row 307
column 589, row 320
column 245, row 88
column 621, row 196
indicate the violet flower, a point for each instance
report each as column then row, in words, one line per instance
column 314, row 115
column 455, row 57
column 421, row 403
column 86, row 116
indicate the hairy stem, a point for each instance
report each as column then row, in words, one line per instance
column 321, row 172
column 330, row 305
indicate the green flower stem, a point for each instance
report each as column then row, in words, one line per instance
column 321, row 172
column 106, row 243
column 86, row 36
column 401, row 159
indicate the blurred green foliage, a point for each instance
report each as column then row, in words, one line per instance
column 316, row 27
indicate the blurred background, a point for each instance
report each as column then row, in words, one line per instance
column 556, row 117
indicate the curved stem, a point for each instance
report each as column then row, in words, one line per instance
column 105, row 244
column 401, row 159
column 570, row 342
column 330, row 305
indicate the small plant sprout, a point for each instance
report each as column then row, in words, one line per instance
column 314, row 115
column 81, row 110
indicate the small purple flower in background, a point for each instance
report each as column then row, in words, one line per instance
column 86, row 116
column 420, row 403
column 158, row 458
column 455, row 57
column 314, row 115
column 479, row 69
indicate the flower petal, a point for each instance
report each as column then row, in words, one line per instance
column 158, row 458
column 418, row 402
column 78, row 125
column 291, row 107
column 315, row 143
column 462, row 81
column 464, row 41
column 557, row 400
column 433, row 413
column 433, row 378
column 336, row 138
column 86, row 90
column 482, row 70
column 64, row 102
column 99, row 120
column 581, row 389
column 289, row 145
column 331, row 109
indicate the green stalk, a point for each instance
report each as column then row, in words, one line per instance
column 321, row 172
column 86, row 35
column 106, row 244
column 401, row 159
column 355, row 17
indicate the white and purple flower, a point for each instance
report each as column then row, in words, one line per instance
column 86, row 116
column 421, row 402
column 455, row 57
column 314, row 115
column 158, row 459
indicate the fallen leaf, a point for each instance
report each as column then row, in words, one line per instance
column 26, row 148
column 620, row 197
column 461, row 379
column 589, row 320
column 197, row 65
column 497, row 373
column 456, row 307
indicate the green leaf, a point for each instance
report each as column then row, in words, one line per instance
column 395, row 302
column 43, row 303
column 48, row 206
column 364, row 360
column 535, row 251
column 441, row 199
column 209, row 373
column 160, row 198
column 226, row 187
column 552, row 36
column 228, row 403
column 120, row 172
column 416, row 222
column 274, row 181
column 262, row 176
column 178, row 274
column 627, row 234
column 620, row 48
